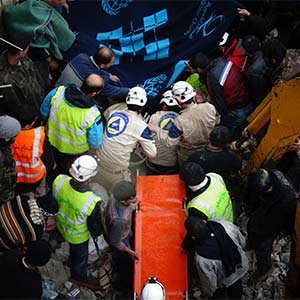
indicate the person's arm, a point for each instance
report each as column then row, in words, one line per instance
column 170, row 138
column 45, row 107
column 48, row 157
column 114, row 91
column 94, row 221
column 95, row 133
column 147, row 143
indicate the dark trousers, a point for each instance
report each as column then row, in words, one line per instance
column 79, row 260
column 235, row 291
column 263, row 251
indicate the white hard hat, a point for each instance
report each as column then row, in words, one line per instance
column 136, row 96
column 224, row 39
column 167, row 98
column 153, row 290
column 84, row 168
column 183, row 91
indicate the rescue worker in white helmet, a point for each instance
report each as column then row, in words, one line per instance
column 165, row 162
column 125, row 129
column 192, row 127
column 208, row 196
column 153, row 290
column 79, row 215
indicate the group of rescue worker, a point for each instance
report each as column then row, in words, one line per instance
column 55, row 144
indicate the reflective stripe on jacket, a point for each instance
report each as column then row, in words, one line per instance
column 215, row 201
column 68, row 125
column 74, row 209
column 27, row 150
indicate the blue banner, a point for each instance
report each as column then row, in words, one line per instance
column 151, row 39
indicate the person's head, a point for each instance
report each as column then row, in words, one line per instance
column 251, row 44
column 196, row 227
column 38, row 253
column 153, row 290
column 136, row 99
column 220, row 136
column 92, row 85
column 199, row 62
column 124, row 192
column 9, row 129
column 273, row 51
column 19, row 45
column 184, row 93
column 168, row 102
column 193, row 175
column 259, row 181
column 104, row 57
column 83, row 168
column 28, row 116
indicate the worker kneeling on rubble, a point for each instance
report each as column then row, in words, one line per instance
column 79, row 215
column 219, row 256
column 209, row 196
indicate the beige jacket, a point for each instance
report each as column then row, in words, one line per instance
column 166, row 156
column 125, row 129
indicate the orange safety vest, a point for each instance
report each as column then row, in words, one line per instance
column 27, row 150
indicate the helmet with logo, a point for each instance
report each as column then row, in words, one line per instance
column 84, row 168
column 183, row 91
column 136, row 96
column 153, row 290
column 168, row 99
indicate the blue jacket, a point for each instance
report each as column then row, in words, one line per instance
column 75, row 98
column 83, row 65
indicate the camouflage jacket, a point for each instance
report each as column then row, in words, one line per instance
column 8, row 174
column 289, row 68
column 27, row 86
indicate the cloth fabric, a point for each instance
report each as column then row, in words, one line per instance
column 190, row 129
column 271, row 213
column 27, row 86
column 73, row 99
column 214, row 201
column 8, row 173
column 17, row 281
column 226, row 85
column 124, row 130
column 236, row 54
column 79, row 254
column 46, row 26
column 17, row 227
column 258, row 78
column 72, row 215
column 118, row 225
column 211, row 271
column 220, row 161
column 9, row 127
column 27, row 150
column 166, row 156
column 83, row 65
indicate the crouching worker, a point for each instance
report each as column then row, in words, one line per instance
column 79, row 215
column 219, row 257
column 118, row 234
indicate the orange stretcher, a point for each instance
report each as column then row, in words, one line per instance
column 159, row 231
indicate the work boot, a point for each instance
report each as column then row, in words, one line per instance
column 88, row 282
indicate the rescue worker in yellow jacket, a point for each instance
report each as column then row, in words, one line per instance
column 33, row 155
column 191, row 129
column 208, row 196
column 79, row 215
column 74, row 122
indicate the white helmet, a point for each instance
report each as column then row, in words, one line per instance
column 84, row 168
column 167, row 98
column 153, row 290
column 136, row 96
column 183, row 91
